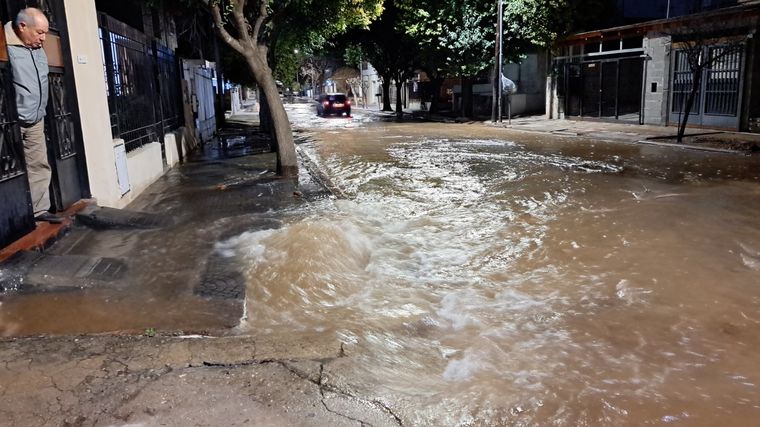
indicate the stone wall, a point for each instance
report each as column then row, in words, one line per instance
column 657, row 83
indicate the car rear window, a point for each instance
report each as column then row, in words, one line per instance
column 337, row 98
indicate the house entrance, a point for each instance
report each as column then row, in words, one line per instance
column 64, row 138
column 608, row 89
column 717, row 101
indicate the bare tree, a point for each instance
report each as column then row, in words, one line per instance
column 703, row 49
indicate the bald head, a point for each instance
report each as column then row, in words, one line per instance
column 31, row 27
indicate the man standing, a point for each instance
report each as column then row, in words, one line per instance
column 29, row 65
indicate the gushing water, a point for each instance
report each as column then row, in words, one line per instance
column 488, row 282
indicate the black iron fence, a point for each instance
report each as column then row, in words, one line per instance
column 11, row 154
column 170, row 88
column 143, row 77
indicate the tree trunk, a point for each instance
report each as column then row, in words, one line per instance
column 287, row 163
column 697, row 80
column 387, row 94
column 494, row 93
column 399, row 107
column 265, row 116
column 435, row 87
column 467, row 97
column 219, row 100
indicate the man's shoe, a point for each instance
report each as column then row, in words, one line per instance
column 48, row 217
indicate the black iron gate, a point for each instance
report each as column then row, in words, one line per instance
column 62, row 129
column 15, row 203
column 716, row 103
column 605, row 89
column 144, row 84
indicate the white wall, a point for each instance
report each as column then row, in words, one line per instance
column 93, row 103
column 145, row 165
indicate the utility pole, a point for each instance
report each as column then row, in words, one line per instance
column 494, row 82
column 500, row 57
column 496, row 101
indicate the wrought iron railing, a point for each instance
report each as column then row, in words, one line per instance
column 11, row 154
column 169, row 78
column 143, row 78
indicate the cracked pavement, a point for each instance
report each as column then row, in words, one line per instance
column 180, row 381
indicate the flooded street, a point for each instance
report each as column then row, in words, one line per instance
column 465, row 275
column 481, row 276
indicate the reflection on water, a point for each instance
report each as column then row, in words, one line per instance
column 487, row 282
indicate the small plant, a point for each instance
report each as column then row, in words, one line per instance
column 150, row 332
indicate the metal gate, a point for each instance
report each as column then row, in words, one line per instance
column 605, row 89
column 202, row 82
column 63, row 133
column 716, row 103
column 16, row 216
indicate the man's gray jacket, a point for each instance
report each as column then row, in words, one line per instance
column 30, row 78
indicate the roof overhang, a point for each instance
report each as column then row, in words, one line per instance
column 745, row 15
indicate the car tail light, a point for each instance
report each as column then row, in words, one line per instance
column 326, row 103
column 348, row 102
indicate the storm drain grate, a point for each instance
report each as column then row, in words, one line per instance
column 221, row 281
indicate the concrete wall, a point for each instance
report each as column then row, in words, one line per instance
column 552, row 102
column 657, row 64
column 144, row 165
column 93, row 102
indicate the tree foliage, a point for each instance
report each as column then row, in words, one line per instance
column 542, row 22
column 389, row 49
column 457, row 35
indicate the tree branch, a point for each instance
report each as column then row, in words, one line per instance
column 240, row 22
column 216, row 16
column 260, row 20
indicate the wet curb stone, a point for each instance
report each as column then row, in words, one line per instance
column 102, row 218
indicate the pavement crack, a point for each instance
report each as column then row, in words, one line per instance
column 230, row 365
column 319, row 382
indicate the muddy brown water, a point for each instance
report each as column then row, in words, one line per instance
column 478, row 276
column 482, row 277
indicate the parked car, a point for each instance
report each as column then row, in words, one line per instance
column 333, row 103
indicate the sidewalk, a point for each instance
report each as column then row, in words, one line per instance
column 154, row 264
column 714, row 140
column 149, row 271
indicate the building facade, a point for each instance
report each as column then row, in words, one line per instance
column 639, row 73
column 115, row 118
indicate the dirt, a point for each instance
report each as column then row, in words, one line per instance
column 748, row 143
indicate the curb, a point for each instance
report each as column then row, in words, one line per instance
column 573, row 134
column 313, row 169
column 44, row 234
column 692, row 147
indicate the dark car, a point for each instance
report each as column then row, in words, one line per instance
column 333, row 103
